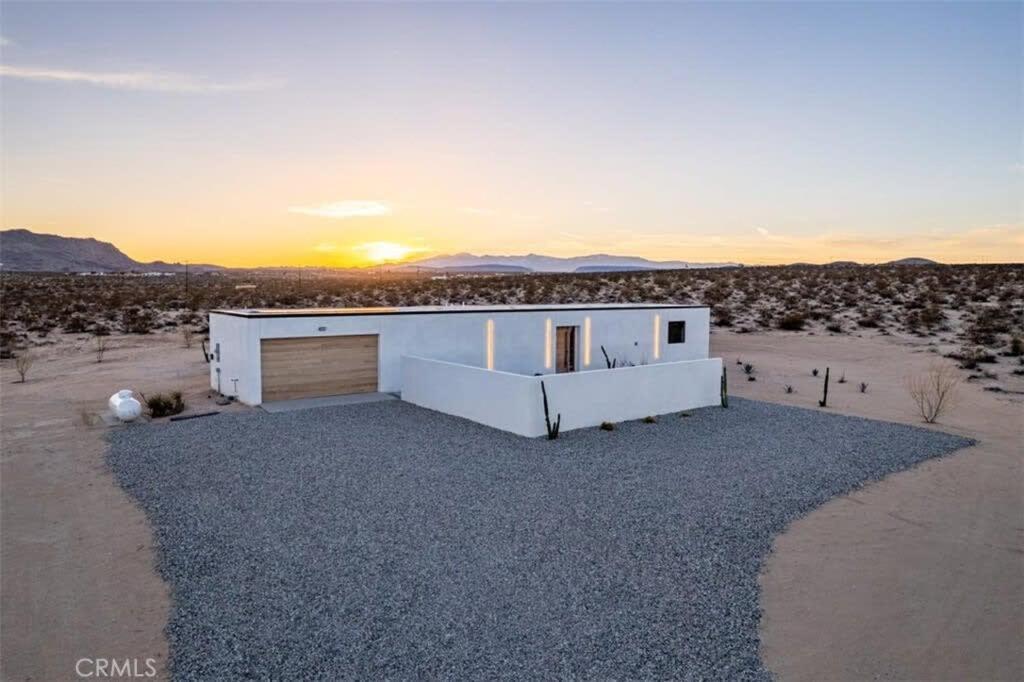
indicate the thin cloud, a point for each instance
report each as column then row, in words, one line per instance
column 131, row 80
column 325, row 247
column 763, row 232
column 342, row 210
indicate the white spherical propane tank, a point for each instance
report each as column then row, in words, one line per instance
column 124, row 406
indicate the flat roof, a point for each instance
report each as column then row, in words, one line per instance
column 435, row 309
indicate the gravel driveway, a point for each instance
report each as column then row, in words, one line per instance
column 385, row 540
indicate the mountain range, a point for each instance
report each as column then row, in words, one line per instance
column 26, row 251
column 600, row 262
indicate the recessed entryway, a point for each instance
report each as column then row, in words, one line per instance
column 565, row 349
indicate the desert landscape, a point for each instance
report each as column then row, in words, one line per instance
column 973, row 314
column 512, row 340
column 894, row 580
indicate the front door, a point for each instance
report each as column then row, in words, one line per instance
column 565, row 349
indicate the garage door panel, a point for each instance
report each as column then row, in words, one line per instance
column 318, row 366
column 290, row 346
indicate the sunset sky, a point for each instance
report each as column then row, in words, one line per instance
column 341, row 134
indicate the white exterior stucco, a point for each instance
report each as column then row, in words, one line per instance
column 514, row 402
column 457, row 334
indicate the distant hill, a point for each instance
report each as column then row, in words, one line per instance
column 855, row 264
column 26, row 251
column 611, row 268
column 479, row 269
column 533, row 262
column 913, row 261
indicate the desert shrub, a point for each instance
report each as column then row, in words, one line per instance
column 649, row 419
column 723, row 316
column 607, row 426
column 76, row 324
column 1016, row 347
column 931, row 316
column 137, row 320
column 870, row 320
column 165, row 405
column 863, row 387
column 100, row 347
column 23, row 363
column 934, row 391
column 834, row 327
column 792, row 322
column 748, row 369
column 8, row 339
column 970, row 358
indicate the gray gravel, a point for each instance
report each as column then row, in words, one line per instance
column 387, row 541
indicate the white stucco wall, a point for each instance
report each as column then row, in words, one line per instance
column 235, row 351
column 514, row 402
column 589, row 398
column 499, row 399
column 519, row 339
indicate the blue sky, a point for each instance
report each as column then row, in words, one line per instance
column 754, row 132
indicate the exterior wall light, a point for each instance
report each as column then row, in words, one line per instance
column 547, row 343
column 657, row 337
column 586, row 342
column 490, row 344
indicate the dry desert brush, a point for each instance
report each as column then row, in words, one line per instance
column 100, row 347
column 934, row 391
column 165, row 405
column 23, row 363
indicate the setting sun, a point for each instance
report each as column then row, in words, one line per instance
column 384, row 252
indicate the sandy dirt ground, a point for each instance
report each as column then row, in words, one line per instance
column 76, row 561
column 919, row 576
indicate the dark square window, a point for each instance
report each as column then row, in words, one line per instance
column 677, row 332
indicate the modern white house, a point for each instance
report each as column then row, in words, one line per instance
column 598, row 362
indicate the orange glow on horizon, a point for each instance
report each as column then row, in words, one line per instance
column 384, row 252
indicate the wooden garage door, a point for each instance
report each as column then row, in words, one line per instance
column 318, row 366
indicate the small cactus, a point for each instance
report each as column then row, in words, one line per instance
column 863, row 387
column 814, row 372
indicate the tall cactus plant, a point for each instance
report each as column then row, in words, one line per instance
column 725, row 389
column 552, row 428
